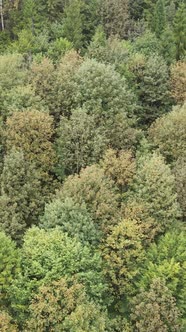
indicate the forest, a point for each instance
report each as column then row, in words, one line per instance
column 92, row 166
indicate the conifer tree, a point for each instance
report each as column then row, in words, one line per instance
column 72, row 26
column 180, row 31
column 159, row 17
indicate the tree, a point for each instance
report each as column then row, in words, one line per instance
column 81, row 142
column 139, row 211
column 155, row 310
column 122, row 251
column 72, row 24
column 120, row 166
column 2, row 16
column 154, row 185
column 115, row 17
column 180, row 31
column 21, row 199
column 12, row 75
column 166, row 260
column 71, row 218
column 49, row 255
column 102, row 90
column 180, row 177
column 178, row 81
column 32, row 131
column 146, row 44
column 9, row 269
column 159, row 17
column 152, row 79
column 98, row 192
column 6, row 323
column 168, row 47
column 64, row 306
column 57, row 87
column 168, row 134
column 58, row 48
column 121, row 132
column 109, row 51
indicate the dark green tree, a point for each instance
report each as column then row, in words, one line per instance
column 180, row 31
column 73, row 25
column 159, row 18
column 80, row 143
column 21, row 199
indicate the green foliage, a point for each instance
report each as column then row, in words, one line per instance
column 114, row 14
column 159, row 17
column 64, row 306
column 154, row 185
column 166, row 260
column 58, row 48
column 120, row 167
column 146, row 44
column 152, row 80
column 109, row 51
column 31, row 131
column 50, row 255
column 155, row 310
column 122, row 251
column 6, row 323
column 180, row 31
column 168, row 134
column 98, row 191
column 21, row 199
column 178, row 81
column 81, row 82
column 168, row 46
column 12, row 75
column 72, row 25
column 57, row 87
column 71, row 218
column 101, row 89
column 9, row 268
column 180, row 177
column 81, row 142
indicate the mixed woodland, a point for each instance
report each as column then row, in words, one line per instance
column 92, row 166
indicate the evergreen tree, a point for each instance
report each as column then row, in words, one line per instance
column 159, row 18
column 73, row 25
column 180, row 31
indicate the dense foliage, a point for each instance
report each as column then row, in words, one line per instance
column 92, row 166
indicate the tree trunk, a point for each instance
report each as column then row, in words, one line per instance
column 1, row 14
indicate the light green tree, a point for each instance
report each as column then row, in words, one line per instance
column 154, row 185
column 72, row 218
column 168, row 133
column 98, row 192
